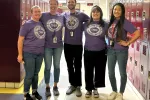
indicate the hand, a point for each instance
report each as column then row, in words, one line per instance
column 124, row 43
column 20, row 59
column 23, row 22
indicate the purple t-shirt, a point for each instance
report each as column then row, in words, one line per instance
column 53, row 25
column 74, row 27
column 34, row 37
column 112, row 31
column 95, row 36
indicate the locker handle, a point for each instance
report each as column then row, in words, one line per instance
column 135, row 62
column 142, row 69
column 149, row 75
column 130, row 59
column 143, row 15
column 137, row 13
column 22, row 15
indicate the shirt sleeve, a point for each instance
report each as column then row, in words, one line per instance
column 85, row 17
column 129, row 27
column 24, row 30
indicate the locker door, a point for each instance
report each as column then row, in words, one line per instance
column 23, row 10
column 144, row 68
column 146, row 19
column 139, row 24
column 137, row 65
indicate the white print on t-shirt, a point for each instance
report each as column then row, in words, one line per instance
column 54, row 25
column 39, row 32
column 112, row 31
column 94, row 30
column 72, row 23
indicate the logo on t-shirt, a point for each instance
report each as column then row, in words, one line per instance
column 112, row 31
column 54, row 25
column 94, row 30
column 39, row 32
column 72, row 23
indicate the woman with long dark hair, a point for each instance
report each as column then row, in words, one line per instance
column 94, row 52
column 118, row 48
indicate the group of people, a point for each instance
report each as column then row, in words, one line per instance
column 42, row 37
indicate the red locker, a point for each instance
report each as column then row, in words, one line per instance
column 10, row 69
column 137, row 65
column 129, row 10
column 23, row 9
column 144, row 68
column 133, row 14
column 139, row 24
column 146, row 20
column 28, row 14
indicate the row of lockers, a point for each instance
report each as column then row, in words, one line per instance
column 27, row 4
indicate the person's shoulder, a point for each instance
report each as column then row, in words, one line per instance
column 45, row 13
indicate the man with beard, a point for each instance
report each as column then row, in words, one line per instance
column 73, row 46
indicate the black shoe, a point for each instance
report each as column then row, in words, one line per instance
column 27, row 97
column 47, row 92
column 36, row 95
column 55, row 91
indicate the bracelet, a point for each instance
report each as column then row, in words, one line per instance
column 129, row 43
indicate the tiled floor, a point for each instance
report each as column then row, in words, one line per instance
column 63, row 85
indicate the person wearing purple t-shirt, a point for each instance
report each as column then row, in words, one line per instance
column 31, row 50
column 118, row 48
column 53, row 24
column 73, row 46
column 95, row 52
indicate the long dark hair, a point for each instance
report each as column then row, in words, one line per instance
column 101, row 21
column 120, row 22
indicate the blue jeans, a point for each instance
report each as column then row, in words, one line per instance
column 121, row 56
column 48, row 54
column 32, row 67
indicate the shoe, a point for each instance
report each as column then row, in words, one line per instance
column 95, row 93
column 36, row 95
column 88, row 94
column 78, row 92
column 27, row 97
column 119, row 96
column 55, row 91
column 70, row 90
column 47, row 92
column 112, row 96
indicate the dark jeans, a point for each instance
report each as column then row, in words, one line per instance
column 32, row 67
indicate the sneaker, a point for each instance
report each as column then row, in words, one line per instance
column 78, row 92
column 95, row 93
column 88, row 94
column 70, row 90
column 119, row 96
column 27, row 97
column 112, row 96
column 55, row 91
column 47, row 92
column 36, row 95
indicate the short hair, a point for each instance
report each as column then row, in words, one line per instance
column 36, row 6
column 55, row 0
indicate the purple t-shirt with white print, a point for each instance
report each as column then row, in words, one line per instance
column 95, row 36
column 53, row 25
column 34, row 37
column 74, row 27
column 127, row 27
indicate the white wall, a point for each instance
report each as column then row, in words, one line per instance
column 87, row 9
column 104, row 4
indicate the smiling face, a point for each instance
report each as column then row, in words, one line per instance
column 71, row 4
column 53, row 6
column 117, row 11
column 95, row 15
column 36, row 13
